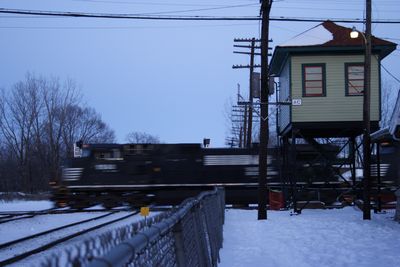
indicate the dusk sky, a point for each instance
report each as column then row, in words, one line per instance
column 172, row 79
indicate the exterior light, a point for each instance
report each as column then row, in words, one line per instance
column 353, row 33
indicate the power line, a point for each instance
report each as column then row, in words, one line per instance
column 192, row 18
column 328, row 9
column 388, row 72
column 118, row 16
column 145, row 3
column 339, row 2
column 390, row 38
column 194, row 10
column 121, row 27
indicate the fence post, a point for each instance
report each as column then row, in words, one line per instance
column 397, row 215
column 179, row 246
column 191, row 235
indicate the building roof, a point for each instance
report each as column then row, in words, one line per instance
column 327, row 37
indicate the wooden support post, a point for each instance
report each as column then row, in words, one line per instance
column 366, row 116
column 264, row 133
column 250, row 122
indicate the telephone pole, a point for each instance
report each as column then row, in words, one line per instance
column 366, row 115
column 264, row 133
column 250, row 122
column 248, row 106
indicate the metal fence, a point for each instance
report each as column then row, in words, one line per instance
column 397, row 214
column 190, row 235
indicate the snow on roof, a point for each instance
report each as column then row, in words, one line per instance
column 317, row 35
column 329, row 33
column 326, row 37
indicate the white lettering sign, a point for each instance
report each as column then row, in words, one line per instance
column 296, row 102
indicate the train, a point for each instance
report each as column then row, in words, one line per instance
column 166, row 174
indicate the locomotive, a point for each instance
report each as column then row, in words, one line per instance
column 165, row 174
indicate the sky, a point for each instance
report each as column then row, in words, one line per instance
column 171, row 79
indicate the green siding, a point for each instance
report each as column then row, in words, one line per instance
column 284, row 110
column 335, row 106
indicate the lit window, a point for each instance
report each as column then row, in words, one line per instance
column 314, row 80
column 354, row 79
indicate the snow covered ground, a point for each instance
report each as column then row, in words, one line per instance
column 25, row 205
column 25, row 227
column 315, row 238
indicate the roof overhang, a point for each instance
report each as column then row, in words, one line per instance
column 282, row 53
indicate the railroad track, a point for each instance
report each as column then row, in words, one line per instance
column 13, row 251
column 10, row 216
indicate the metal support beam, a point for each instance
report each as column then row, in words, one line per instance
column 293, row 169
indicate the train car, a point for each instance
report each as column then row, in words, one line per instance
column 166, row 174
column 137, row 174
column 394, row 126
column 385, row 170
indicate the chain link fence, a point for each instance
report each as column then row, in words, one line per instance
column 190, row 235
column 397, row 214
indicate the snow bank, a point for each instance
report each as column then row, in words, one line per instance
column 25, row 205
column 314, row 238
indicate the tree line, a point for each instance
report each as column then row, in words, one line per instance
column 40, row 119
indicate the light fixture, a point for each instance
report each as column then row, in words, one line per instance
column 354, row 33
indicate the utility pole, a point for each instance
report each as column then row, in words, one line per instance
column 248, row 106
column 264, row 134
column 250, row 122
column 366, row 115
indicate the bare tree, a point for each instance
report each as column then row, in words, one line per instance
column 142, row 138
column 85, row 124
column 388, row 98
column 56, row 98
column 236, row 123
column 40, row 119
column 18, row 110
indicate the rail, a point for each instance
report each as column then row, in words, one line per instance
column 20, row 251
column 189, row 235
column 192, row 236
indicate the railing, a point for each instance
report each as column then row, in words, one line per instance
column 188, row 236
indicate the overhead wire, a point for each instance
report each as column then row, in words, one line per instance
column 145, row 3
column 388, row 72
column 195, row 10
column 327, row 9
column 122, row 27
column 192, row 18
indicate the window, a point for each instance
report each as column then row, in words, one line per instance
column 354, row 79
column 314, row 80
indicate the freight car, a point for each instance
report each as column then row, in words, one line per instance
column 115, row 174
